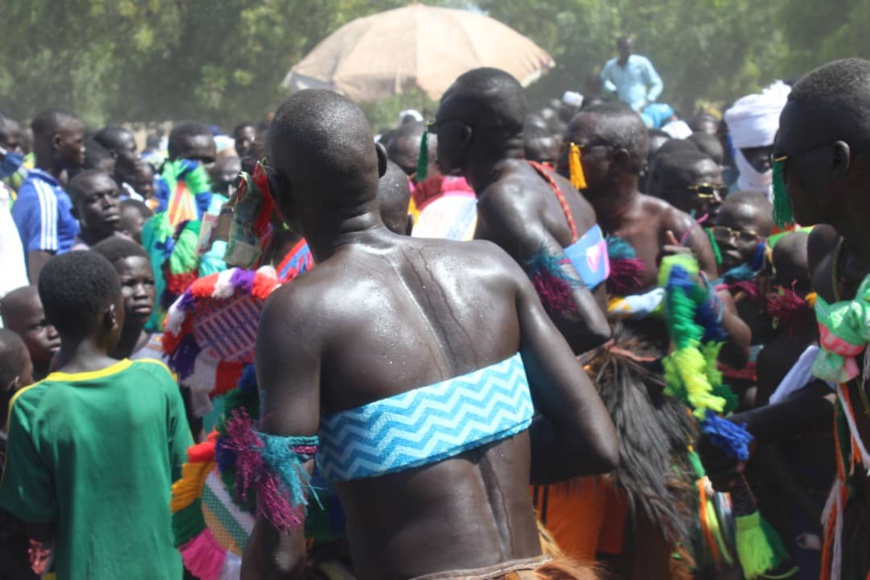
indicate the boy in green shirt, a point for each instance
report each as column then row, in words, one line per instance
column 94, row 448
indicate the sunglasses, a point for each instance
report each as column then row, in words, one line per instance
column 743, row 237
column 708, row 190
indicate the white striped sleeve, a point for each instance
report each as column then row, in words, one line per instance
column 48, row 217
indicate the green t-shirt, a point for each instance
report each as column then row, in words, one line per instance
column 96, row 454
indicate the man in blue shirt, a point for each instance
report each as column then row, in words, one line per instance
column 42, row 212
column 631, row 76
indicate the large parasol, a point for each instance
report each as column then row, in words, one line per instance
column 416, row 46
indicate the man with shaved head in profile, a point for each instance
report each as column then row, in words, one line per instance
column 388, row 329
column 536, row 216
column 821, row 152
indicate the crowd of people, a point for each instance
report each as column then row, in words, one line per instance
column 595, row 340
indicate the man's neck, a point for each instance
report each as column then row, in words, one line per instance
column 92, row 238
column 485, row 168
column 325, row 234
column 82, row 354
column 612, row 203
column 47, row 165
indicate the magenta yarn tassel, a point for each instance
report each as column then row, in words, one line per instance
column 625, row 276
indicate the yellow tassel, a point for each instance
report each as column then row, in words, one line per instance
column 575, row 167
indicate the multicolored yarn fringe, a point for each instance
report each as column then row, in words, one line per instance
column 174, row 263
column 626, row 269
column 271, row 466
column 714, row 515
column 251, row 229
column 181, row 268
column 691, row 374
column 785, row 307
column 782, row 214
column 211, row 329
column 325, row 520
column 190, row 190
column 553, row 285
column 198, row 526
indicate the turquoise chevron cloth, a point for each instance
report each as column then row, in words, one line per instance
column 428, row 424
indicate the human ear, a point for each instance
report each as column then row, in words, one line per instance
column 110, row 317
column 621, row 159
column 841, row 160
column 55, row 141
column 382, row 159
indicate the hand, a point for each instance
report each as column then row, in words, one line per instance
column 723, row 470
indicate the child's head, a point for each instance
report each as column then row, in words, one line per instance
column 23, row 314
column 82, row 298
column 16, row 370
column 135, row 276
column 134, row 214
column 143, row 179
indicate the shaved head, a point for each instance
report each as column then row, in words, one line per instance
column 14, row 359
column 833, row 102
column 404, row 146
column 394, row 197
column 18, row 303
column 115, row 138
column 487, row 98
column 748, row 208
column 321, row 144
column 51, row 121
column 614, row 124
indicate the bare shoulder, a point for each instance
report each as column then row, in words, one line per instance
column 303, row 300
column 672, row 218
column 508, row 195
column 477, row 257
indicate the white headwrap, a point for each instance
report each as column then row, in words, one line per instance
column 412, row 113
column 678, row 129
column 572, row 98
column 754, row 119
column 753, row 122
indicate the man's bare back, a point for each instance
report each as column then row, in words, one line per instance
column 383, row 315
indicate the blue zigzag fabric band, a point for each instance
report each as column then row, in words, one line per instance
column 428, row 424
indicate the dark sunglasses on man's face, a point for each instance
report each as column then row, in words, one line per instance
column 708, row 190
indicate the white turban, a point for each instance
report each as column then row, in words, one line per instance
column 754, row 119
column 572, row 98
column 753, row 122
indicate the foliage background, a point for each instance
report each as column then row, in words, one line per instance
column 222, row 61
